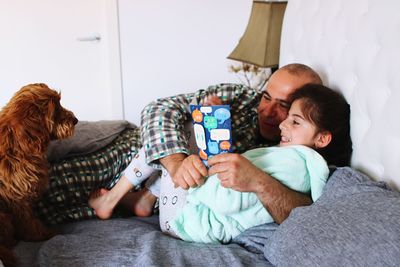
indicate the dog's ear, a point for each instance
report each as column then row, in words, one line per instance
column 50, row 113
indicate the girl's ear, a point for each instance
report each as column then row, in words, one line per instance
column 323, row 139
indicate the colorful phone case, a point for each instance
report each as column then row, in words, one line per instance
column 212, row 129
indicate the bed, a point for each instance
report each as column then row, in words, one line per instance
column 354, row 45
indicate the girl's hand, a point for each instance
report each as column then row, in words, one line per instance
column 185, row 171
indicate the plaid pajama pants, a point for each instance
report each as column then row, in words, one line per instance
column 72, row 179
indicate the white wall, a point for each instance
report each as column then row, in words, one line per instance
column 176, row 46
column 39, row 44
column 167, row 47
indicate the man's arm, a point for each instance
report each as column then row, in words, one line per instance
column 278, row 199
column 163, row 133
column 236, row 172
column 163, row 128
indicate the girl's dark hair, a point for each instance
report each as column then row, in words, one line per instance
column 329, row 111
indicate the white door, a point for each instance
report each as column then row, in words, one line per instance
column 71, row 45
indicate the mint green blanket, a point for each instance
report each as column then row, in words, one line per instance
column 214, row 214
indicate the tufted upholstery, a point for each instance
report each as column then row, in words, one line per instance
column 355, row 46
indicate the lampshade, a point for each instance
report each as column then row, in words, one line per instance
column 261, row 40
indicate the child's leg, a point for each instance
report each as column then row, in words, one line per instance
column 154, row 185
column 104, row 201
column 172, row 201
column 138, row 170
column 141, row 203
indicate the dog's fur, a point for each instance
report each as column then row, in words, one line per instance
column 31, row 119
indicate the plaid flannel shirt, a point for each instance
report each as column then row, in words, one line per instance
column 163, row 120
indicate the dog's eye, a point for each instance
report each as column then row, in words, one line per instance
column 57, row 111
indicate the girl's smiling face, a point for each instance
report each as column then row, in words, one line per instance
column 296, row 129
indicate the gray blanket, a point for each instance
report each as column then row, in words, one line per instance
column 356, row 222
column 129, row 242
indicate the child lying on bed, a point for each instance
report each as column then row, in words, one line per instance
column 213, row 213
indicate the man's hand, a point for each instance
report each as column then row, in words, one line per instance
column 212, row 100
column 236, row 172
column 186, row 171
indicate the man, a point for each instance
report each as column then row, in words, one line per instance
column 255, row 116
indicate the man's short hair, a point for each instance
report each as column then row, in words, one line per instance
column 299, row 69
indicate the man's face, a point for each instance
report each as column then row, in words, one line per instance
column 274, row 105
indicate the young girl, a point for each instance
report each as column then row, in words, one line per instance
column 316, row 133
column 318, row 121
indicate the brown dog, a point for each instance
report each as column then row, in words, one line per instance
column 28, row 122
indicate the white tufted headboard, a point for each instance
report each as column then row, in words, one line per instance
column 355, row 46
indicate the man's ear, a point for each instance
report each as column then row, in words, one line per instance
column 323, row 139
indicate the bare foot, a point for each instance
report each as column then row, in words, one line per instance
column 101, row 202
column 139, row 203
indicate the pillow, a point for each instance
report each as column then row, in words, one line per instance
column 88, row 137
column 356, row 222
